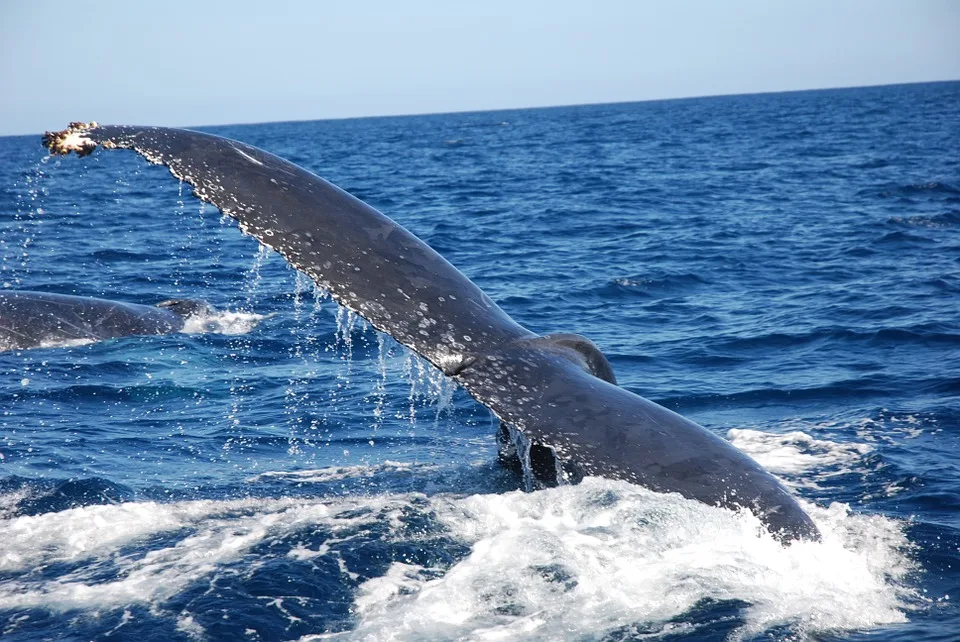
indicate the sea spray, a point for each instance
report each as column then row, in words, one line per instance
column 17, row 236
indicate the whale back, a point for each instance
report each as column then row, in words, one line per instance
column 34, row 319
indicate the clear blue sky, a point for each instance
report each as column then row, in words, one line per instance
column 199, row 62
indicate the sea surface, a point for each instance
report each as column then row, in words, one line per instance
column 782, row 268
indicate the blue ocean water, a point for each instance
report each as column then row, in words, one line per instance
column 782, row 268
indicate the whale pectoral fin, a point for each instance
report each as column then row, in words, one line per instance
column 368, row 263
column 611, row 432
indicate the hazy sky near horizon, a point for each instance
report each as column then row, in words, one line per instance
column 202, row 62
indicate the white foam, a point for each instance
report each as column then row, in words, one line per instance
column 10, row 501
column 83, row 533
column 223, row 322
column 801, row 458
column 575, row 561
column 208, row 534
column 66, row 343
column 566, row 563
column 340, row 473
column 891, row 428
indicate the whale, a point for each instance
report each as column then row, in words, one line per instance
column 555, row 395
column 43, row 319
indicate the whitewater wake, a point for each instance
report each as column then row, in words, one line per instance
column 555, row 564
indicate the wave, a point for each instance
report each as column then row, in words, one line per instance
column 798, row 456
column 571, row 561
column 607, row 556
column 903, row 239
column 863, row 388
column 103, row 393
column 24, row 496
column 744, row 167
column 933, row 188
column 946, row 219
column 925, row 334
column 122, row 256
column 341, row 473
column 658, row 283
column 936, row 187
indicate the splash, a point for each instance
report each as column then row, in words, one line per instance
column 520, row 446
column 215, row 533
column 65, row 343
column 297, row 395
column 341, row 473
column 240, row 390
column 428, row 386
column 253, row 277
column 190, row 226
column 799, row 458
column 223, row 322
column 379, row 393
column 347, row 321
column 580, row 561
column 573, row 562
column 16, row 239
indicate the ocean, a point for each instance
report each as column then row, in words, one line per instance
column 783, row 269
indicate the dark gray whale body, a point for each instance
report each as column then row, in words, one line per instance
column 37, row 319
column 557, row 391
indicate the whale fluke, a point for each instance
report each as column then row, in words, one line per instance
column 558, row 390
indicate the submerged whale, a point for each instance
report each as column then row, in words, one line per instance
column 557, row 391
column 41, row 319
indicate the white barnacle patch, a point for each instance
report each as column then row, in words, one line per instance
column 75, row 141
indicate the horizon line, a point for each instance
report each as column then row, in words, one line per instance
column 532, row 107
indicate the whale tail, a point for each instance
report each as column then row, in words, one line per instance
column 558, row 390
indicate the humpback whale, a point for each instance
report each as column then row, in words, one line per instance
column 557, row 391
column 38, row 319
